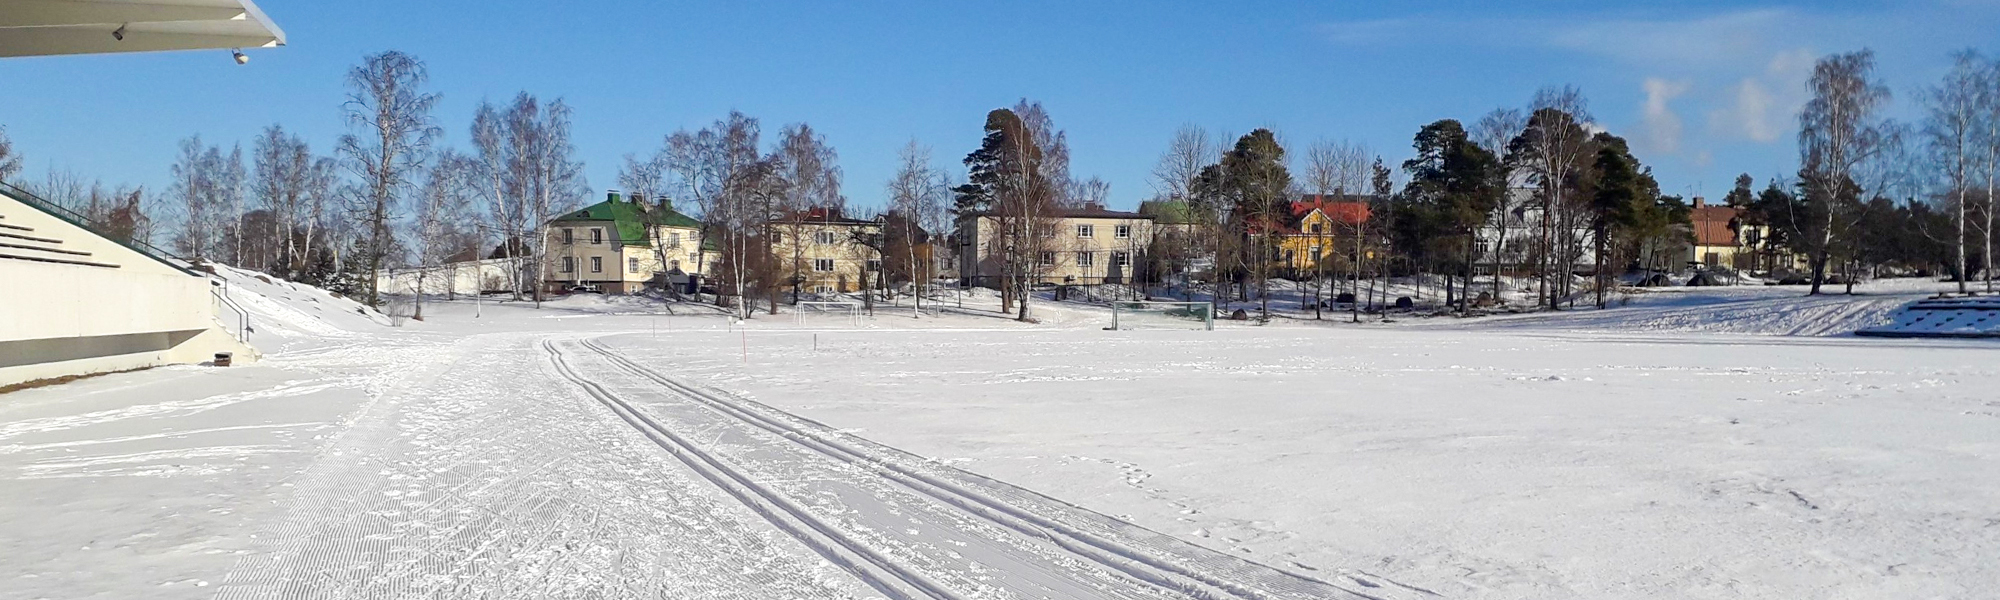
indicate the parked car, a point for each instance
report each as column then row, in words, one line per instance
column 583, row 288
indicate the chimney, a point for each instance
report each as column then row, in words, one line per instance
column 1699, row 202
column 639, row 200
column 611, row 196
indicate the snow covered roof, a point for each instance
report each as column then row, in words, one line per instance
column 52, row 27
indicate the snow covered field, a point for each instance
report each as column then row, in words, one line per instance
column 1693, row 443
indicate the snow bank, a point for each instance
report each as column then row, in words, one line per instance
column 1753, row 310
column 287, row 315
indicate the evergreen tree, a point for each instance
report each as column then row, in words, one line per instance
column 1454, row 184
column 1255, row 176
column 1624, row 196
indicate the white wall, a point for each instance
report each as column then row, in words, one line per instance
column 456, row 278
column 142, row 313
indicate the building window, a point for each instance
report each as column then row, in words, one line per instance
column 1084, row 231
column 823, row 289
column 1319, row 228
column 823, row 265
column 1480, row 248
column 1121, row 259
column 568, row 264
column 1123, row 232
column 1316, row 251
column 1083, row 259
column 1752, row 236
column 694, row 257
column 597, row 264
column 874, row 264
column 568, row 236
column 673, row 240
column 632, row 265
column 823, row 237
column 596, row 235
column 1047, row 258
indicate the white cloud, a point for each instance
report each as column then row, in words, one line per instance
column 1713, row 40
column 1719, row 38
column 1760, row 105
column 1662, row 124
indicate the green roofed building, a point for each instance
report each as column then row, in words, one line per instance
column 621, row 244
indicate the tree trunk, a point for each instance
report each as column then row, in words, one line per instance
column 1600, row 265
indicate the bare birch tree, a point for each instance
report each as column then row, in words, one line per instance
column 1553, row 150
column 391, row 113
column 436, row 225
column 1009, row 187
column 808, row 170
column 1951, row 125
column 1173, row 178
column 917, row 196
column 230, row 178
column 1335, row 170
column 194, row 201
column 702, row 166
column 1989, row 146
column 10, row 161
column 1841, row 132
column 1494, row 132
column 504, row 210
column 284, row 182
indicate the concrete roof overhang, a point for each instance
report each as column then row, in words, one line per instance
column 53, row 27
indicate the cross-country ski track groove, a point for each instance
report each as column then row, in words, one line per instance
column 1030, row 545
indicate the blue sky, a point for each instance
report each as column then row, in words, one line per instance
column 1705, row 90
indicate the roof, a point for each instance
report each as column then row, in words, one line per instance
column 821, row 215
column 1346, row 209
column 1711, row 225
column 53, row 27
column 1168, row 212
column 629, row 219
column 1096, row 211
column 1081, row 212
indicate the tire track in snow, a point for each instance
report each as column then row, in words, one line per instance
column 1248, row 580
column 877, row 570
column 487, row 476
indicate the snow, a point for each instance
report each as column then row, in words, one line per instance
column 1728, row 442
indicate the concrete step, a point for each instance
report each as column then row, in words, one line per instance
column 6, row 254
column 8, row 246
column 5, row 236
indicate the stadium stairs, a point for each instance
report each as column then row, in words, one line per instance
column 75, row 302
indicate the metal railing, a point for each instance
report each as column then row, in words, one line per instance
column 220, row 289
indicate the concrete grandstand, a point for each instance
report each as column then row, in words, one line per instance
column 73, row 300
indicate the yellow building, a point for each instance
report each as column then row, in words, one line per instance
column 822, row 250
column 1082, row 246
column 1323, row 234
column 620, row 245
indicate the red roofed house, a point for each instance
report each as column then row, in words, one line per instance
column 1321, row 228
column 1723, row 238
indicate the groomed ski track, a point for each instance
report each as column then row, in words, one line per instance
column 911, row 528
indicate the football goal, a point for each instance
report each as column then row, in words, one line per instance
column 845, row 313
column 1162, row 315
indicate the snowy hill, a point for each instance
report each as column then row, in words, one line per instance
column 287, row 315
